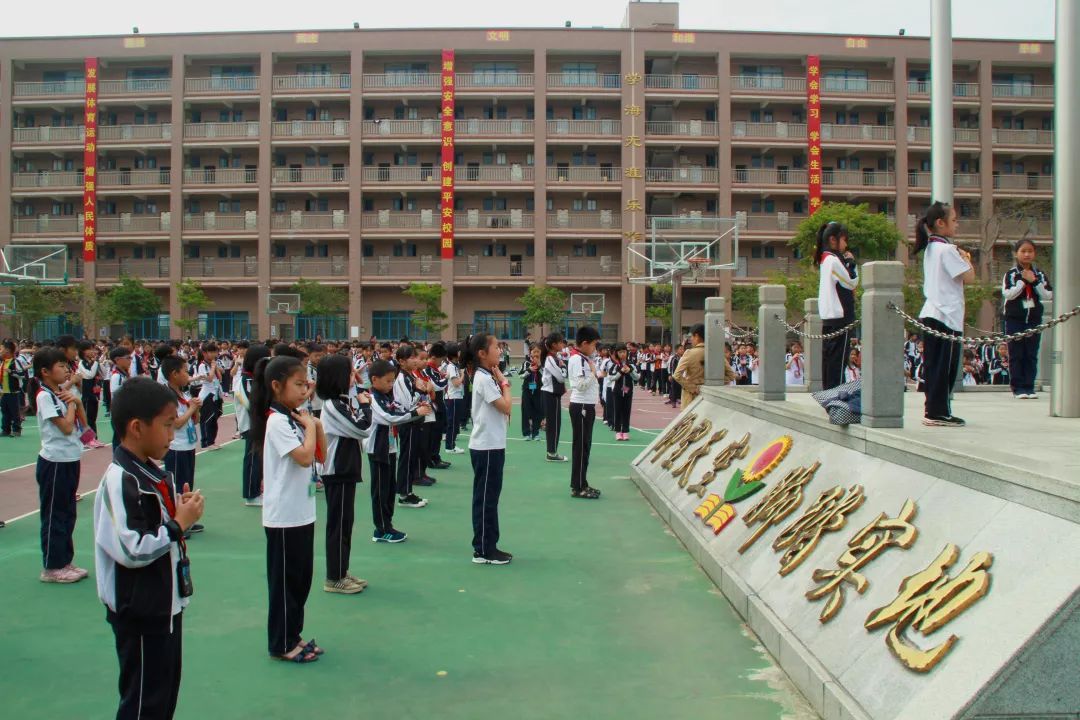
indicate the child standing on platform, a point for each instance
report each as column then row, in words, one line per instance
column 487, row 447
column 290, row 441
column 532, row 402
column 584, row 394
column 180, row 460
column 553, row 387
column 622, row 392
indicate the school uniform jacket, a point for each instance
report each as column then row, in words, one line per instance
column 346, row 425
column 836, row 288
column 386, row 415
column 623, row 383
column 136, row 545
column 554, row 376
column 1015, row 289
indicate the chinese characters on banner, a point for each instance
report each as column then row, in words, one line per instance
column 89, row 206
column 447, row 117
column 813, row 129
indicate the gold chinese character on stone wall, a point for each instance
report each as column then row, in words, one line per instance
column 781, row 501
column 632, row 78
column 632, row 141
column 633, row 206
column 632, row 110
column 634, row 172
column 827, row 514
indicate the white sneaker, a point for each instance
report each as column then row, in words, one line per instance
column 1032, row 396
column 254, row 502
column 456, row 451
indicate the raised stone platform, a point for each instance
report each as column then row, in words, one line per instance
column 1006, row 485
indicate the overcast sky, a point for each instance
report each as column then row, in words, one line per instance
column 1024, row 19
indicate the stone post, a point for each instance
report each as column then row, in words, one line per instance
column 812, row 346
column 714, row 340
column 772, row 340
column 882, row 347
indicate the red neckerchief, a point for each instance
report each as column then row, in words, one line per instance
column 825, row 254
column 419, row 375
column 181, row 399
column 939, row 239
column 1028, row 291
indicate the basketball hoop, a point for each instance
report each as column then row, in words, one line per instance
column 698, row 267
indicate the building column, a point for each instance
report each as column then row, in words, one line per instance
column 265, row 172
column 176, row 191
column 900, row 162
column 724, row 208
column 632, row 62
column 941, row 101
column 540, row 270
column 7, row 136
column 356, row 201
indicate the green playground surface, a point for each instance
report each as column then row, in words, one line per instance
column 602, row 614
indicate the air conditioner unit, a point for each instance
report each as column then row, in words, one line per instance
column 695, row 128
column 166, row 131
column 516, row 173
column 166, row 221
column 250, row 219
column 427, row 219
column 339, row 219
column 562, row 218
column 740, row 219
column 739, row 128
column 340, row 127
column 253, row 129
column 384, row 218
column 209, row 220
column 296, row 219
column 781, row 221
column 605, row 218
column 472, row 218
column 125, row 219
column 515, row 218
column 605, row 264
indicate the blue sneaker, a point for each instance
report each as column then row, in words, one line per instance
column 394, row 536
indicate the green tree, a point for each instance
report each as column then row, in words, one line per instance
column 32, row 304
column 659, row 307
column 189, row 295
column 431, row 319
column 128, row 301
column 88, row 306
column 544, row 307
column 801, row 282
column 744, row 302
column 317, row 300
column 871, row 236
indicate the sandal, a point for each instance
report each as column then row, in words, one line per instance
column 303, row 656
column 312, row 648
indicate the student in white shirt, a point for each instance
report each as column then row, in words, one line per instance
column 251, row 469
column 945, row 270
column 584, row 394
column 837, row 281
column 794, row 365
column 180, row 460
column 455, row 394
column 491, row 403
column 552, row 388
column 120, row 358
column 291, row 441
column 208, row 373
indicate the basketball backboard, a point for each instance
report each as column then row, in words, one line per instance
column 283, row 303
column 587, row 304
column 36, row 264
column 689, row 247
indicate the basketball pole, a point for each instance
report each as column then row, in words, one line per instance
column 676, row 320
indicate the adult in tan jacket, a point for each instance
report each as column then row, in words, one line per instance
column 690, row 372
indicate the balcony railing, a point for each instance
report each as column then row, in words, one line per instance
column 124, row 178
column 966, row 181
column 496, row 174
column 1035, row 183
column 220, row 176
column 401, row 174
column 128, row 223
column 767, row 84
column 858, row 178
column 1024, row 91
column 856, row 86
column 584, row 220
column 387, row 266
column 46, row 135
column 918, row 134
column 299, row 220
column 684, row 128
column 499, row 80
column 961, row 90
column 688, row 221
column 49, row 89
column 768, row 130
column 605, row 127
column 401, row 128
column 695, row 83
column 403, row 81
column 66, row 179
column 863, row 133
column 221, row 85
column 480, row 266
column 336, row 266
column 919, row 180
column 768, row 176
column 47, row 225
column 683, row 175
column 222, row 130
column 134, row 133
column 148, row 86
column 476, row 126
column 214, row 222
column 775, row 222
column 400, row 220
column 584, row 81
column 312, row 82
column 584, row 174
column 210, row 267
column 310, row 176
column 575, row 266
column 143, row 269
column 966, row 136
column 310, row 129
column 509, row 220
column 1023, row 137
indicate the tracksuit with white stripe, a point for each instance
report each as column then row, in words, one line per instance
column 346, row 424
column 381, row 446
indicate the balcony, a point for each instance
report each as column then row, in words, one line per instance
column 396, row 83
column 750, row 178
column 492, row 175
column 425, row 220
column 859, row 179
column 1023, row 138
column 1023, row 94
column 151, row 270
column 49, row 90
column 299, row 222
column 71, row 180
column 311, row 130
column 579, row 268
column 157, row 179
column 392, row 175
column 768, row 85
column 770, row 131
column 584, row 129
column 134, row 134
column 577, row 82
column 857, row 87
column 46, row 135
column 132, row 88
column 216, row 178
column 509, row 220
column 676, row 84
column 683, row 129
column 683, row 175
column 1024, row 184
column 586, row 175
column 312, row 84
column 299, row 266
column 773, row 224
column 221, row 223
column 310, row 177
column 128, row 224
column 399, row 268
column 963, row 92
column 919, row 181
column 213, row 267
column 692, row 222
column 215, row 131
column 569, row 220
column 221, row 86
column 477, row 266
column 398, row 130
column 50, row 225
column 858, row 134
column 475, row 128
column 501, row 81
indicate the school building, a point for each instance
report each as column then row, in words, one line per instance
column 247, row 161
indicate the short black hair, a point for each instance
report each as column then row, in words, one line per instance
column 587, row 333
column 438, row 350
column 698, row 330
column 172, row 364
column 334, row 375
column 284, row 349
column 381, row 368
column 46, row 358
column 163, row 351
column 10, row 346
column 140, row 398
column 66, row 341
column 119, row 352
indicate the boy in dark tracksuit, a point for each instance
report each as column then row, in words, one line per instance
column 532, row 404
column 436, row 430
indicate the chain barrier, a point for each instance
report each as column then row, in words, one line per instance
column 987, row 339
column 814, row 336
column 741, row 335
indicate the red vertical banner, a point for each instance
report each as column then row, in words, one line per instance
column 813, row 130
column 89, row 205
column 446, row 237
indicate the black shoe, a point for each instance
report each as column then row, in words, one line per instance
column 495, row 557
column 196, row 528
column 412, row 501
column 958, row 422
column 586, row 493
column 440, row 465
column 943, row 421
column 424, row 481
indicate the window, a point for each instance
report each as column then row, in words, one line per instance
column 504, row 325
column 846, row 80
column 369, row 250
column 325, row 326
column 798, row 208
column 763, row 77
column 755, row 252
column 279, row 250
column 495, row 73
column 579, row 73
column 394, row 324
column 280, row 206
column 108, row 252
column 770, row 252
column 232, row 324
column 192, row 251
column 105, row 207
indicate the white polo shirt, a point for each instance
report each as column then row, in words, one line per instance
column 453, row 392
column 185, row 437
column 944, row 291
column 584, row 386
column 56, row 446
column 288, row 500
column 489, row 425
